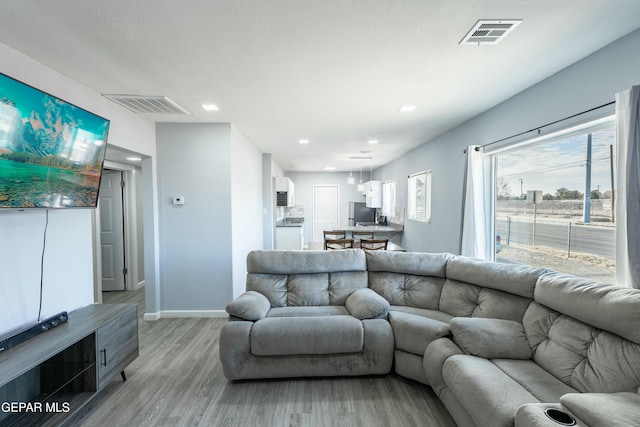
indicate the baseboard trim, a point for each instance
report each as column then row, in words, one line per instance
column 175, row 314
column 151, row 316
column 167, row 314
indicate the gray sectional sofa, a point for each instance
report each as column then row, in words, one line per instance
column 500, row 344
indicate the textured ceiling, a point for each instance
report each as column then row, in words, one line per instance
column 334, row 72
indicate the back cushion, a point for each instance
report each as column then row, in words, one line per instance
column 407, row 289
column 306, row 278
column 515, row 279
column 466, row 300
column 412, row 279
column 580, row 355
column 312, row 289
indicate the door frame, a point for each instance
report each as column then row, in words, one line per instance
column 130, row 232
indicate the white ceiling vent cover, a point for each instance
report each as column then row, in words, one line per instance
column 490, row 31
column 143, row 104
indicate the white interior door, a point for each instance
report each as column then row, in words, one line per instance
column 112, row 231
column 325, row 210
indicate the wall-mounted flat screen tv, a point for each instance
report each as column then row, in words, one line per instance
column 51, row 151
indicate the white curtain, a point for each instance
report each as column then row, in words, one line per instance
column 628, row 192
column 478, row 231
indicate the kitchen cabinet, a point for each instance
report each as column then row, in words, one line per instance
column 373, row 194
column 290, row 238
column 285, row 191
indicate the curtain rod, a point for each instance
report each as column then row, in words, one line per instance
column 543, row 126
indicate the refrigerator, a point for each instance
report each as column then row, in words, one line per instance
column 359, row 213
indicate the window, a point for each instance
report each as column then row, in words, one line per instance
column 555, row 202
column 419, row 205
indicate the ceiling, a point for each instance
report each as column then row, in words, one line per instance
column 334, row 72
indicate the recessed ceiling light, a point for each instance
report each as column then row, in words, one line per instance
column 134, row 159
column 329, row 168
column 304, row 141
column 210, row 107
column 407, row 108
column 373, row 141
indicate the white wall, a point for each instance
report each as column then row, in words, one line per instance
column 304, row 182
column 246, row 205
column 588, row 83
column 68, row 274
column 270, row 170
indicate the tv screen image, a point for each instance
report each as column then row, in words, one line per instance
column 51, row 151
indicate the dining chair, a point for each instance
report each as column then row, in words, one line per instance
column 335, row 234
column 358, row 235
column 338, row 244
column 374, row 244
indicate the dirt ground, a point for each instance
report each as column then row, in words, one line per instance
column 580, row 264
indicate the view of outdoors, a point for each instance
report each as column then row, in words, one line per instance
column 555, row 204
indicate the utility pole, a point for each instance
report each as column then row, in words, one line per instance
column 521, row 193
column 586, row 206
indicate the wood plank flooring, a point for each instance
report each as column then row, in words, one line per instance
column 177, row 381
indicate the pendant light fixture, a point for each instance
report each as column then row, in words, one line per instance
column 361, row 185
column 351, row 179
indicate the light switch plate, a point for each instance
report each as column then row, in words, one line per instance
column 178, row 200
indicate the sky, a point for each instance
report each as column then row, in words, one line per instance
column 556, row 164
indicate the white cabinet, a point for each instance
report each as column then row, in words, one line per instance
column 373, row 194
column 285, row 191
column 290, row 238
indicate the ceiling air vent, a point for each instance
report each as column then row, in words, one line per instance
column 490, row 31
column 143, row 104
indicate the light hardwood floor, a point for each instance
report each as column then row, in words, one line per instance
column 177, row 381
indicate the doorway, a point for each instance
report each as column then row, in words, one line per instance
column 112, row 238
column 132, row 242
column 325, row 210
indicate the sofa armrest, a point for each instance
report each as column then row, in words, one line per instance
column 436, row 353
column 535, row 415
column 365, row 303
column 604, row 409
column 251, row 305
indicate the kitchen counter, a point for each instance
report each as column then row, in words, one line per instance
column 391, row 228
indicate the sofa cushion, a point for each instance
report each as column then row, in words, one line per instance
column 431, row 314
column 413, row 333
column 612, row 308
column 320, row 310
column 412, row 263
column 366, row 304
column 490, row 338
column 581, row 355
column 276, row 336
column 303, row 262
column 250, row 305
column 515, row 279
column 489, row 395
column 466, row 300
column 540, row 383
column 407, row 289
